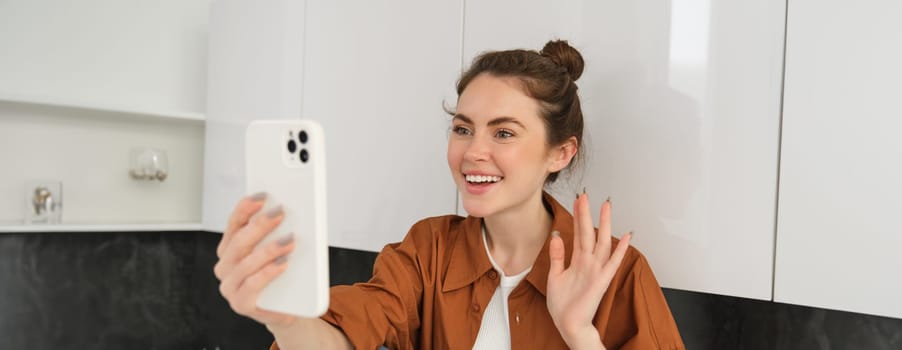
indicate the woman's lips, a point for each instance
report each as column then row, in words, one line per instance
column 480, row 188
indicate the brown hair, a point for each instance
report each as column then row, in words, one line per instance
column 549, row 76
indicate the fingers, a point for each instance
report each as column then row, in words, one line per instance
column 577, row 244
column 617, row 257
column 244, row 270
column 556, row 254
column 585, row 231
column 240, row 216
column 244, row 299
column 603, row 244
column 272, row 252
column 244, row 241
column 251, row 234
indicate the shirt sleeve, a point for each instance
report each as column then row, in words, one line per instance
column 639, row 317
column 384, row 310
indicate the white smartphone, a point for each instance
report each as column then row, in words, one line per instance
column 287, row 160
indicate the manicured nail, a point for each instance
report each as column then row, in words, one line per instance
column 281, row 260
column 284, row 241
column 632, row 233
column 259, row 196
column 584, row 190
column 555, row 233
column 274, row 212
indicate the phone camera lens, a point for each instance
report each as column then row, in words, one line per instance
column 302, row 136
column 304, row 156
column 292, row 146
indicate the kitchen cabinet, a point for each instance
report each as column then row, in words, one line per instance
column 377, row 87
column 129, row 57
column 256, row 56
column 838, row 237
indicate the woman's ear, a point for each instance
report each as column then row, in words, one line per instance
column 562, row 154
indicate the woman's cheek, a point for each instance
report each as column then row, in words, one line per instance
column 455, row 156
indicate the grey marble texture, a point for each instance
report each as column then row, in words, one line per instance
column 146, row 290
column 115, row 291
column 709, row 321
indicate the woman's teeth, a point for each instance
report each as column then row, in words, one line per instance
column 482, row 179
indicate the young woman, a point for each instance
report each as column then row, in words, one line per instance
column 519, row 272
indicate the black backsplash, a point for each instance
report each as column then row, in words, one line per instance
column 156, row 290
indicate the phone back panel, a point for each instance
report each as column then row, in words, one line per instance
column 300, row 187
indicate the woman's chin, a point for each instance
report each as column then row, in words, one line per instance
column 476, row 208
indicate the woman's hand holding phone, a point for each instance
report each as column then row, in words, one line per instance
column 243, row 272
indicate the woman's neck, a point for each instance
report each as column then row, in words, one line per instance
column 516, row 236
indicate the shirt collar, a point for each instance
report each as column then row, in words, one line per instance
column 469, row 260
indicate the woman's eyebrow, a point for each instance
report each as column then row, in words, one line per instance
column 493, row 122
column 463, row 118
column 502, row 120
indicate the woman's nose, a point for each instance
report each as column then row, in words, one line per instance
column 477, row 150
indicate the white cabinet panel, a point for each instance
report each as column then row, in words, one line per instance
column 838, row 238
column 127, row 55
column 376, row 76
column 255, row 64
column 682, row 106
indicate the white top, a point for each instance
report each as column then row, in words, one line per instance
column 494, row 331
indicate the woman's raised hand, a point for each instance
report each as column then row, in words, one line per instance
column 574, row 293
column 244, row 271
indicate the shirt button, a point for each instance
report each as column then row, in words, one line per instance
column 493, row 274
column 475, row 307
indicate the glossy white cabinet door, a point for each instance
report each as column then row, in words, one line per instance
column 682, row 105
column 255, row 64
column 839, row 239
column 129, row 55
column 376, row 76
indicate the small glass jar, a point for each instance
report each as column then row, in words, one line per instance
column 147, row 163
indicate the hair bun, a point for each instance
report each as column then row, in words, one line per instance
column 565, row 56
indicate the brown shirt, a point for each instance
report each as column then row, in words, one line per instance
column 429, row 292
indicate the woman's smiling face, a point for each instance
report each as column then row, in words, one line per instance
column 497, row 151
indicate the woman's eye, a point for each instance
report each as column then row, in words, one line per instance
column 459, row 130
column 504, row 134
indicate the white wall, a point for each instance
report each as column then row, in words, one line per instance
column 89, row 152
column 839, row 240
